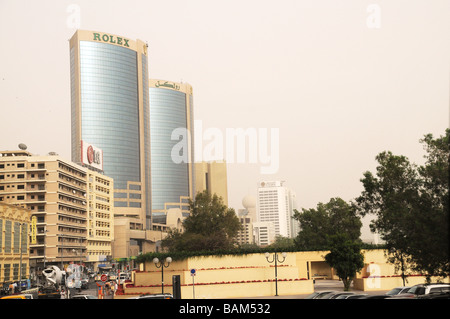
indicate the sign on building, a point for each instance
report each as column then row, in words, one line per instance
column 91, row 155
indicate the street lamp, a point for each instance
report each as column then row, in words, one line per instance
column 162, row 265
column 275, row 259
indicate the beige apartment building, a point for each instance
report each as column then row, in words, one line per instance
column 100, row 195
column 14, row 242
column 70, row 205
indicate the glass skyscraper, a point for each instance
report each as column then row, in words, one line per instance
column 110, row 109
column 171, row 115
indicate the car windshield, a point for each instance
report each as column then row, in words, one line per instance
column 394, row 291
column 417, row 290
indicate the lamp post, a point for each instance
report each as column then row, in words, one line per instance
column 275, row 259
column 162, row 265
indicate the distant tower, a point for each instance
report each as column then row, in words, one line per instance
column 247, row 217
column 249, row 203
column 276, row 204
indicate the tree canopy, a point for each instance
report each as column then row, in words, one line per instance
column 318, row 224
column 411, row 205
column 211, row 225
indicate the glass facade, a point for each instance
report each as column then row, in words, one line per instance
column 110, row 108
column 168, row 111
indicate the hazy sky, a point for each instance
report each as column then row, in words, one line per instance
column 341, row 80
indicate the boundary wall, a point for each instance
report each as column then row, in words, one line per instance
column 252, row 275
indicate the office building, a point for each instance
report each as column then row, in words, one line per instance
column 212, row 176
column 72, row 207
column 171, row 142
column 263, row 233
column 276, row 204
column 110, row 109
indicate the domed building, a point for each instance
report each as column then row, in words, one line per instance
column 247, row 217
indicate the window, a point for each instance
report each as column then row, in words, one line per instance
column 20, row 175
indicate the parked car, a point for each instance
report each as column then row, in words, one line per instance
column 356, row 296
column 84, row 297
column 425, row 289
column 339, row 294
column 153, row 296
column 344, row 295
column 318, row 294
column 398, row 291
column 376, row 297
column 441, row 295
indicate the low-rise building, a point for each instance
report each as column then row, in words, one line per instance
column 14, row 243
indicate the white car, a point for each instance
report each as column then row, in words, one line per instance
column 84, row 297
column 421, row 290
column 122, row 277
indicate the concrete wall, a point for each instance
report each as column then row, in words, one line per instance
column 252, row 275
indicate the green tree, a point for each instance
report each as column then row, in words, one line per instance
column 317, row 225
column 282, row 243
column 345, row 257
column 411, row 207
column 211, row 225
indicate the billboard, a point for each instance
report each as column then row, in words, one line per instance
column 91, row 155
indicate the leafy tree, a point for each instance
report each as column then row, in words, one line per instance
column 326, row 220
column 345, row 257
column 282, row 243
column 210, row 226
column 411, row 206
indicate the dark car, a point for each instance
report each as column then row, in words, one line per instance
column 356, row 296
column 376, row 297
column 318, row 294
column 340, row 294
column 442, row 295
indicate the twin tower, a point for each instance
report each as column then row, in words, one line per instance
column 129, row 118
